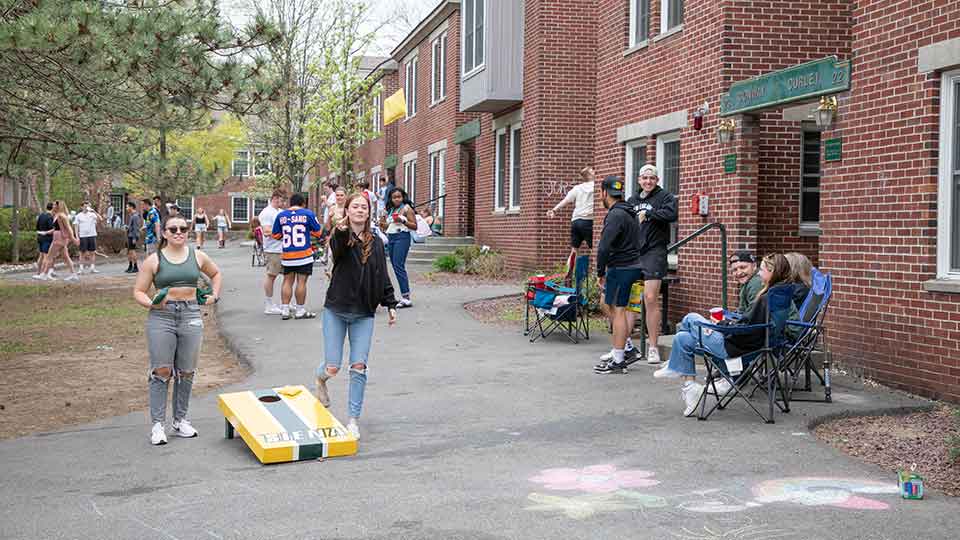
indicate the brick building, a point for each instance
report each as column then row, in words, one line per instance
column 537, row 89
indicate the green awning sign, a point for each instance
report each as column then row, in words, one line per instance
column 466, row 132
column 797, row 83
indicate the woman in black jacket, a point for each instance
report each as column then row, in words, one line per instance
column 358, row 286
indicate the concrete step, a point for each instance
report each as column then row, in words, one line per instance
column 450, row 241
column 428, row 249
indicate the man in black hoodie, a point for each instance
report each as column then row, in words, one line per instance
column 656, row 210
column 618, row 266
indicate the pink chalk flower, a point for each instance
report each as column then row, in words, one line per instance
column 594, row 479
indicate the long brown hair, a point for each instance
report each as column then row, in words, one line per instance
column 365, row 237
column 779, row 271
column 800, row 268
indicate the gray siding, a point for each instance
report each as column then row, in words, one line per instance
column 500, row 84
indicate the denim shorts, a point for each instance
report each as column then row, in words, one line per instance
column 616, row 291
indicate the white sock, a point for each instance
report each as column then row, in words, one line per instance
column 285, row 307
column 618, row 356
column 629, row 346
column 81, row 268
column 50, row 271
column 93, row 267
column 268, row 301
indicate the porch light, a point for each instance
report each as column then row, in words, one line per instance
column 725, row 131
column 826, row 112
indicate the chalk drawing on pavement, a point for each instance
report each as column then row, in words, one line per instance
column 588, row 505
column 594, row 479
column 814, row 491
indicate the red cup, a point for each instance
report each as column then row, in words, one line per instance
column 716, row 314
column 396, row 218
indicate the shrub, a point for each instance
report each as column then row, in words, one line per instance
column 28, row 247
column 447, row 263
column 468, row 254
column 27, row 219
column 112, row 240
column 490, row 265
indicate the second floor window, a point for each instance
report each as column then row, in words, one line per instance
column 241, row 163
column 472, row 32
column 410, row 87
column 639, row 21
column 671, row 14
column 438, row 83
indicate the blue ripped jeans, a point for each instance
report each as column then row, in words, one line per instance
column 359, row 328
column 688, row 339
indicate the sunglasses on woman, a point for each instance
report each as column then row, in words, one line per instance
column 177, row 230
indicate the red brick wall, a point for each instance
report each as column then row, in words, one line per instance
column 879, row 204
column 213, row 202
column 373, row 152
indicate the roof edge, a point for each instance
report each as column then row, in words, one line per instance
column 423, row 29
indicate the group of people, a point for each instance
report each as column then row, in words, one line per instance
column 57, row 230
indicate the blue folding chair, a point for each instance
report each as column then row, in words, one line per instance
column 571, row 318
column 798, row 358
column 758, row 367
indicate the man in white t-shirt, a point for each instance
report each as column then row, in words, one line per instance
column 272, row 250
column 581, row 222
column 87, row 233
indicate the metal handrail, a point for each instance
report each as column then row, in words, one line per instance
column 442, row 217
column 723, row 253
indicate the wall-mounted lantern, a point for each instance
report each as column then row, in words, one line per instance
column 725, row 131
column 826, row 112
column 698, row 116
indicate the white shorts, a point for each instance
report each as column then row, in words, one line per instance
column 200, row 227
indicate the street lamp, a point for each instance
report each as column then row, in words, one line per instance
column 825, row 112
column 725, row 131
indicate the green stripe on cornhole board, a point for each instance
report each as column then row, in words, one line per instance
column 308, row 448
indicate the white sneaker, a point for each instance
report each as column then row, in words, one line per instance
column 404, row 303
column 666, row 373
column 723, row 386
column 184, row 429
column 82, row 270
column 42, row 277
column 157, row 435
column 93, row 270
column 653, row 355
column 353, row 428
column 691, row 393
column 272, row 309
column 607, row 357
column 285, row 313
column 72, row 277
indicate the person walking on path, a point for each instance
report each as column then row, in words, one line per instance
column 63, row 236
column 272, row 252
column 581, row 222
column 87, row 221
column 656, row 210
column 295, row 226
column 174, row 324
column 399, row 222
column 44, row 238
column 134, row 224
column 618, row 266
column 360, row 284
column 199, row 227
column 223, row 223
column 151, row 225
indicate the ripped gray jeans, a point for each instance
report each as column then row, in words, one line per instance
column 174, row 336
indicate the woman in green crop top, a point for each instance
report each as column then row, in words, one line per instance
column 174, row 324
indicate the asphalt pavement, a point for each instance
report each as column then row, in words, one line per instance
column 469, row 432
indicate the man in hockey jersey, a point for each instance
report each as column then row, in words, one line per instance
column 294, row 227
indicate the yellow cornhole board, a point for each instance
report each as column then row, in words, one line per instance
column 285, row 424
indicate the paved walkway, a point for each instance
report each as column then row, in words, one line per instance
column 469, row 432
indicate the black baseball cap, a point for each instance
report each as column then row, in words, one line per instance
column 613, row 185
column 743, row 256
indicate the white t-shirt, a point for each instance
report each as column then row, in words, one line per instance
column 582, row 194
column 86, row 224
column 267, row 217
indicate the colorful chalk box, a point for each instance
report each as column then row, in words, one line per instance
column 911, row 485
column 285, row 424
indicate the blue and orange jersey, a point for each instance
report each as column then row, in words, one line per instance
column 295, row 227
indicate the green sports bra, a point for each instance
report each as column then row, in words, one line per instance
column 184, row 274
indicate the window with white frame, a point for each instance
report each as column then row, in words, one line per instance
column 259, row 204
column 948, row 211
column 472, row 32
column 639, row 21
column 636, row 154
column 500, row 188
column 240, row 209
column 810, row 179
column 438, row 181
column 261, row 163
column 410, row 178
column 668, row 166
column 515, row 167
column 410, row 86
column 241, row 163
column 377, row 111
column 186, row 207
column 438, row 72
column 671, row 14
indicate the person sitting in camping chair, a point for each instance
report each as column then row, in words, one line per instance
column 774, row 270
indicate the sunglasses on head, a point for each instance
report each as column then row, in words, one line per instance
column 177, row 230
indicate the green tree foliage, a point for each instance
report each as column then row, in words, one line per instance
column 340, row 114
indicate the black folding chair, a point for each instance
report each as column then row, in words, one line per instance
column 759, row 367
column 571, row 318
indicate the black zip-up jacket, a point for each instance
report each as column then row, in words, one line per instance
column 661, row 207
column 620, row 240
column 355, row 287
